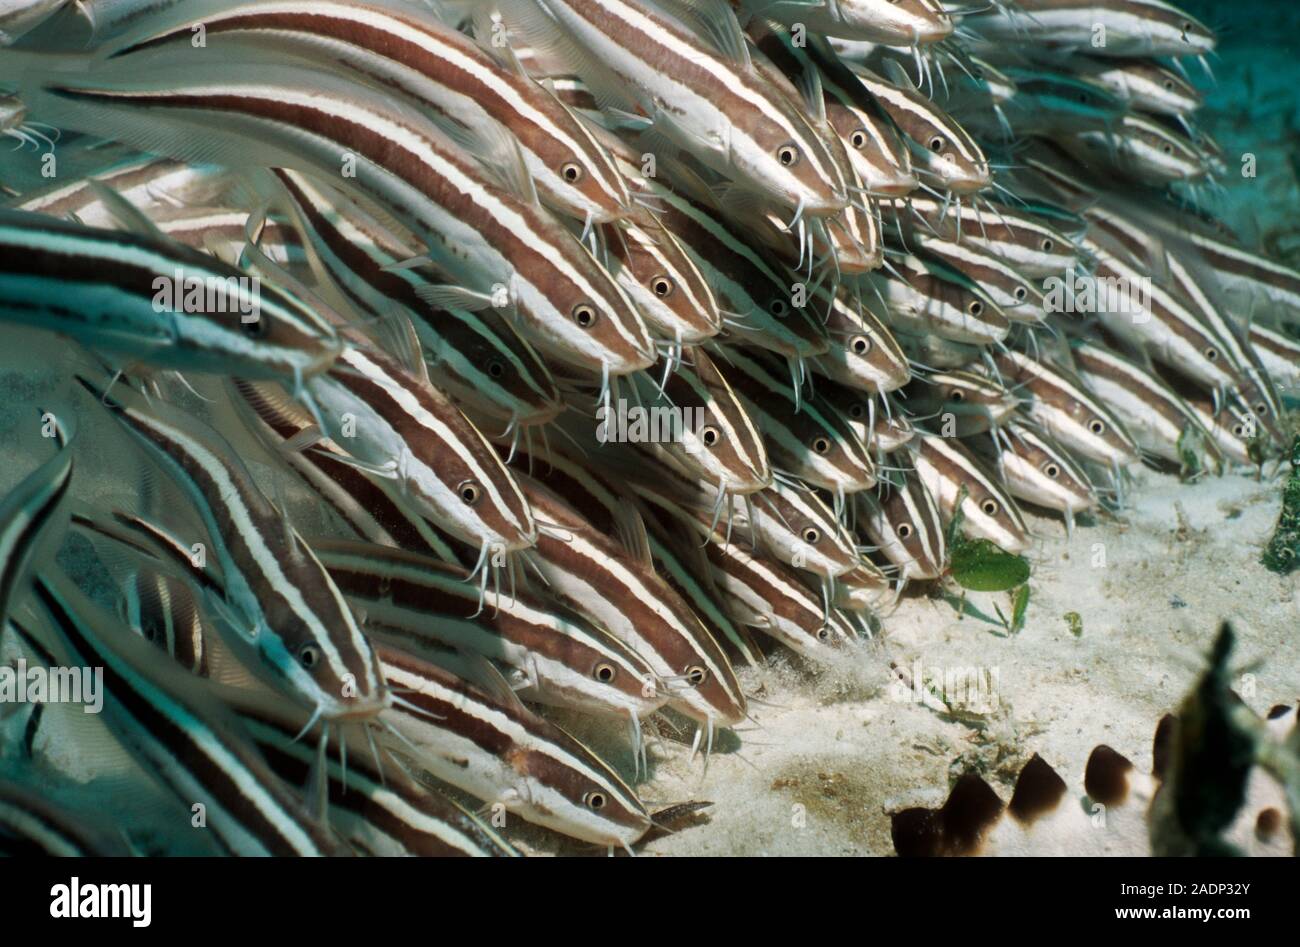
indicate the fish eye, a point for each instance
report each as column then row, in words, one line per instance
column 1261, row 409
column 821, row 445
column 936, row 144
column 956, row 394
column 1169, row 85
column 308, row 655
column 858, row 139
column 904, row 530
column 857, row 411
column 709, row 435
column 975, row 308
column 571, row 171
column 595, row 801
column 1239, row 430
column 661, row 286
column 495, row 368
column 254, row 328
column 778, row 307
column 696, row 675
column 1051, row 470
column 603, row 672
column 823, row 633
column 1048, row 244
column 1021, row 293
column 787, row 155
column 990, row 507
column 469, row 492
column 1212, row 354
column 1097, row 426
column 1167, row 148
column 584, row 315
column 860, row 345
column 811, row 535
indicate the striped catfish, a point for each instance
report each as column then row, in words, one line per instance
column 559, row 658
column 1031, row 245
column 27, row 512
column 758, row 300
column 903, row 521
column 477, row 356
column 278, row 609
column 395, row 424
column 875, row 148
column 1127, row 27
column 182, row 739
column 891, row 432
column 1280, row 355
column 759, row 591
column 787, row 519
column 223, row 232
column 143, row 181
column 1137, row 309
column 1256, row 282
column 961, row 403
column 864, row 590
column 863, row 353
column 1052, row 103
column 606, row 509
column 1020, row 298
column 408, row 50
column 1037, row 470
column 857, row 407
column 686, row 570
column 603, row 580
column 707, row 98
column 810, row 440
column 1157, row 416
column 724, row 448
column 927, row 296
column 1143, row 148
column 1143, row 83
column 498, row 243
column 892, row 22
column 34, row 824
column 937, row 352
column 1064, row 408
column 851, row 240
column 988, row 511
column 1233, row 430
column 1254, row 388
column 144, row 300
column 790, row 522
column 502, row 753
column 659, row 275
column 848, row 244
column 769, row 595
column 372, row 802
column 371, row 507
column 942, row 150
column 164, row 610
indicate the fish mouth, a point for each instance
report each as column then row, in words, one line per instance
column 898, row 189
column 361, row 709
column 934, row 32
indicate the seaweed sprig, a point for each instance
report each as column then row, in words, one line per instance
column 1284, row 548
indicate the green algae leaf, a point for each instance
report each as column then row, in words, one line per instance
column 982, row 566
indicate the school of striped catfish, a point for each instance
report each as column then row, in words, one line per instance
column 435, row 272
